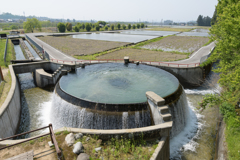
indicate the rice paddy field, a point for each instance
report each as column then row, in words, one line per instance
column 74, row 46
column 184, row 44
column 143, row 54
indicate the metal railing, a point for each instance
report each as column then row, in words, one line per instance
column 116, row 60
column 51, row 133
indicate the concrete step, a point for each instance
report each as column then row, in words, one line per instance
column 163, row 109
column 167, row 117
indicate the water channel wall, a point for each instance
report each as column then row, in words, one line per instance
column 11, row 108
column 5, row 51
column 190, row 76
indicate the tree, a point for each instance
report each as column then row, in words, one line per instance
column 97, row 27
column 76, row 29
column 69, row 26
column 112, row 26
column 214, row 18
column 31, row 24
column 14, row 27
column 129, row 26
column 106, row 28
column 142, row 25
column 124, row 26
column 118, row 26
column 61, row 27
column 88, row 27
column 83, row 26
column 200, row 20
column 102, row 23
column 134, row 26
column 138, row 26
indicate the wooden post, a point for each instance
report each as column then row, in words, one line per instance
column 1, row 74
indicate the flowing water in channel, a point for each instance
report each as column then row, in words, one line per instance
column 195, row 142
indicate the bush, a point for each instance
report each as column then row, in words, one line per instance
column 138, row 26
column 69, row 26
column 129, row 26
column 88, row 27
column 118, row 26
column 61, row 27
column 106, row 28
column 112, row 26
column 124, row 26
column 76, row 29
column 134, row 26
column 83, row 26
column 97, row 27
column 142, row 25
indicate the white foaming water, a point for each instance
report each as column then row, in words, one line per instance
column 157, row 116
column 65, row 114
column 185, row 140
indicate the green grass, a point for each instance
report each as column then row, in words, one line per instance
column 10, row 53
column 139, row 45
column 232, row 135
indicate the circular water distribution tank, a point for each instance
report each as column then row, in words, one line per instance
column 110, row 95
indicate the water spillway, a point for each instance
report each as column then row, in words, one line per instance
column 111, row 96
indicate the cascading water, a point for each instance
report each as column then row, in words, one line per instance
column 65, row 114
column 180, row 112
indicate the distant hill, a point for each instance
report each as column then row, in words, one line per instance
column 6, row 16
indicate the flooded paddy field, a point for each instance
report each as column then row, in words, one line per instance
column 147, row 32
column 116, row 37
column 178, row 43
column 75, row 46
column 143, row 54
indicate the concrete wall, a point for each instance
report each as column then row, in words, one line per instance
column 188, row 77
column 43, row 78
column 162, row 150
column 11, row 108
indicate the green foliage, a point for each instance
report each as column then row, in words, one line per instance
column 31, row 24
column 112, row 27
column 214, row 18
column 69, row 26
column 76, row 29
column 118, row 26
column 142, row 25
column 14, row 27
column 83, row 26
column 88, row 27
column 138, row 26
column 102, row 22
column 226, row 34
column 61, row 27
column 129, row 26
column 134, row 26
column 124, row 26
column 97, row 27
column 203, row 21
column 106, row 28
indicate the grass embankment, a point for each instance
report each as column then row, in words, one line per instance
column 171, row 29
column 6, row 84
column 111, row 149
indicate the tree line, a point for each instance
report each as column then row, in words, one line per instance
column 204, row 21
column 100, row 25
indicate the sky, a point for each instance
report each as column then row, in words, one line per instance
column 112, row 10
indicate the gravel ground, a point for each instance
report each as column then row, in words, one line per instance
column 74, row 46
column 142, row 54
column 183, row 44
